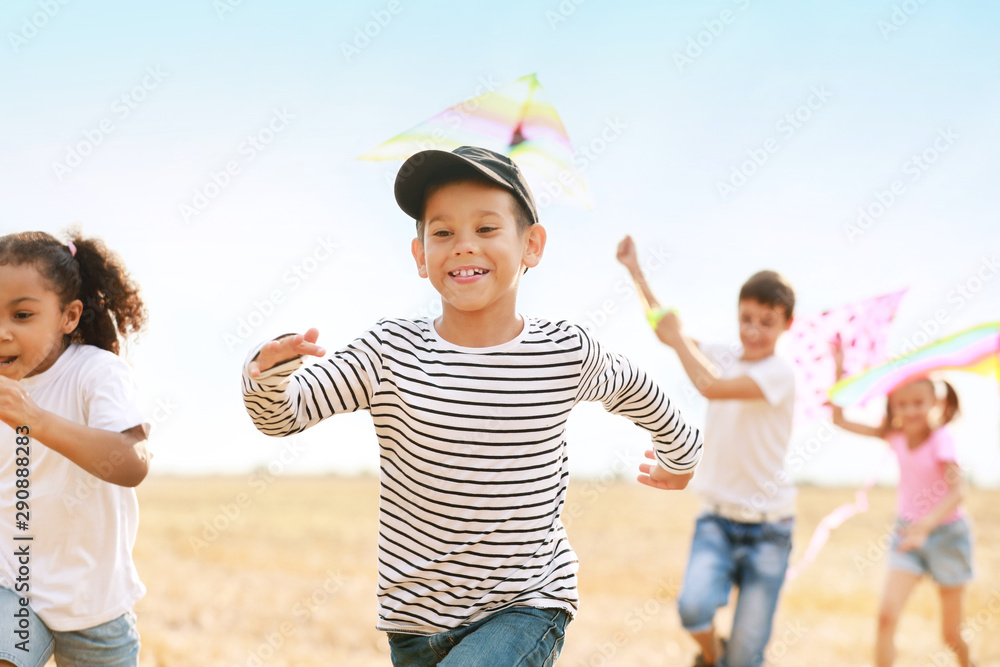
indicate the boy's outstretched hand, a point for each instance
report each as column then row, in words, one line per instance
column 658, row 478
column 626, row 254
column 285, row 348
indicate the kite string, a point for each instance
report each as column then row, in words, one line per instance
column 834, row 519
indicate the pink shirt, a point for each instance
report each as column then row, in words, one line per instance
column 922, row 479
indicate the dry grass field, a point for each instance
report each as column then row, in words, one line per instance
column 286, row 576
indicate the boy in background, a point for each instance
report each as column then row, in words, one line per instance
column 743, row 536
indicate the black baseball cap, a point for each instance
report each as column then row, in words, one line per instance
column 411, row 181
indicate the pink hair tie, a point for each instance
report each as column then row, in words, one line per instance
column 72, row 248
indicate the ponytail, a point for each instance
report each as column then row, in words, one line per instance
column 83, row 269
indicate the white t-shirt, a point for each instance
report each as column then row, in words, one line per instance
column 746, row 440
column 80, row 570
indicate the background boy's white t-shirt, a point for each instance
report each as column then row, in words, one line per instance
column 81, row 570
column 746, row 441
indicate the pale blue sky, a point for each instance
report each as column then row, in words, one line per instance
column 885, row 96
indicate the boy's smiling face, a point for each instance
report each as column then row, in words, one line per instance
column 472, row 250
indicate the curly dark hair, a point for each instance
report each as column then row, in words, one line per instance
column 112, row 306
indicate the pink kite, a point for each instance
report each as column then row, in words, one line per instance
column 863, row 328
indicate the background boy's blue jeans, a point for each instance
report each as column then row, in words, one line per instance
column 514, row 637
column 754, row 557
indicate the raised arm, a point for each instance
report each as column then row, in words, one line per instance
column 838, row 413
column 699, row 369
column 855, row 427
column 629, row 258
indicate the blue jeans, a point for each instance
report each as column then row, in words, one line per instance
column 111, row 644
column 946, row 555
column 754, row 557
column 514, row 637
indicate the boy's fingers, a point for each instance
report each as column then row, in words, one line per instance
column 306, row 344
column 254, row 369
column 286, row 346
column 647, row 480
column 310, row 349
column 650, row 454
column 301, row 344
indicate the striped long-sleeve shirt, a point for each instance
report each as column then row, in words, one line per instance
column 473, row 457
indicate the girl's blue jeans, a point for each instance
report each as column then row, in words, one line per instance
column 514, row 637
column 112, row 644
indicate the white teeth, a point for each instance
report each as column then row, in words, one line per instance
column 465, row 273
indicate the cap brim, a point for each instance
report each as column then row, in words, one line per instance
column 411, row 181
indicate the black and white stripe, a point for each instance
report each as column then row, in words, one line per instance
column 473, row 457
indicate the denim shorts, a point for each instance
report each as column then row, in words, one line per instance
column 946, row 555
column 111, row 644
column 521, row 636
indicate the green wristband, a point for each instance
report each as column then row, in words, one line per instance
column 654, row 315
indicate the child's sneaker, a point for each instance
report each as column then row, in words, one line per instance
column 699, row 660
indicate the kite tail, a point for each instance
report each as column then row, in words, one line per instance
column 833, row 520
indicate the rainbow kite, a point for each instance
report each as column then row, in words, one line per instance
column 516, row 120
column 976, row 350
